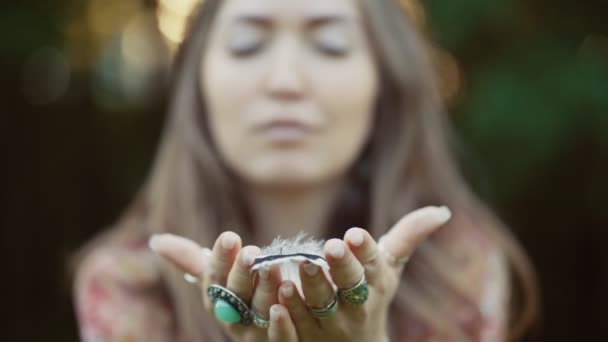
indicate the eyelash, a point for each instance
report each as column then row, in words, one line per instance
column 332, row 51
column 248, row 50
column 251, row 49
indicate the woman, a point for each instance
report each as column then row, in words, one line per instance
column 315, row 116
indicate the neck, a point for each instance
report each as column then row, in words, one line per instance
column 287, row 211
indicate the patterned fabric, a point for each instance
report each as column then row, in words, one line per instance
column 118, row 297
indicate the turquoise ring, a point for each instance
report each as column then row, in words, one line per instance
column 355, row 295
column 228, row 307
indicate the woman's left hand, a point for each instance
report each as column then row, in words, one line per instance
column 351, row 259
column 356, row 256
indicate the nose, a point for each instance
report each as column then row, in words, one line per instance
column 284, row 79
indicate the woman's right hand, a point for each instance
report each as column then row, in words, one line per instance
column 228, row 265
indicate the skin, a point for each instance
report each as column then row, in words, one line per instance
column 308, row 61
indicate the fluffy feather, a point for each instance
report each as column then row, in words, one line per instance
column 289, row 253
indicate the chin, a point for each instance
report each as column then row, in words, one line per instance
column 286, row 172
column 285, row 176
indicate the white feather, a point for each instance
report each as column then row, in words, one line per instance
column 300, row 244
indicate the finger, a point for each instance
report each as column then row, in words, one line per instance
column 204, row 282
column 318, row 291
column 183, row 253
column 240, row 279
column 224, row 252
column 346, row 271
column 401, row 241
column 364, row 248
column 265, row 294
column 300, row 314
column 281, row 327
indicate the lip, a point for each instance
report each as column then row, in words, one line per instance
column 286, row 131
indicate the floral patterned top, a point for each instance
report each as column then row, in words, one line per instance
column 119, row 297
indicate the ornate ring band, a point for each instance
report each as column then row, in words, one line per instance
column 396, row 261
column 357, row 294
column 326, row 311
column 228, row 307
column 260, row 322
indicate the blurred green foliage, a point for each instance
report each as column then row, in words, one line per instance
column 535, row 76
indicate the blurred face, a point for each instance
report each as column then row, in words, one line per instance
column 290, row 87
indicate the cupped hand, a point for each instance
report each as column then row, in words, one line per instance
column 227, row 265
column 350, row 259
column 358, row 255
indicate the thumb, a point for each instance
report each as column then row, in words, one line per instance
column 401, row 241
column 185, row 254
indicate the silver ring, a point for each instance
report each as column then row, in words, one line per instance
column 357, row 294
column 228, row 307
column 397, row 262
column 260, row 322
column 326, row 311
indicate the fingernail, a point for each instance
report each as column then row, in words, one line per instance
column 287, row 291
column 206, row 258
column 337, row 250
column 248, row 257
column 275, row 314
column 444, row 213
column 311, row 269
column 229, row 240
column 191, row 279
column 356, row 238
column 264, row 273
column 153, row 242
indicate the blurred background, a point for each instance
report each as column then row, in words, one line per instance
column 84, row 93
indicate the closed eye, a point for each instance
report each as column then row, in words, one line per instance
column 247, row 38
column 246, row 50
column 332, row 39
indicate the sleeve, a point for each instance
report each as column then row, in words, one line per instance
column 494, row 299
column 117, row 298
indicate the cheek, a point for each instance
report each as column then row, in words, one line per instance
column 222, row 88
column 229, row 98
column 347, row 92
column 224, row 91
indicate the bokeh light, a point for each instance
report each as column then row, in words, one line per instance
column 173, row 18
column 105, row 17
column 415, row 11
column 140, row 46
column 451, row 79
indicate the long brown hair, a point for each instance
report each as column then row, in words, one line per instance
column 406, row 164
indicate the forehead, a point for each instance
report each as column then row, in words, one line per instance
column 289, row 9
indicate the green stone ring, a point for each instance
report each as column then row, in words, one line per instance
column 228, row 307
column 355, row 295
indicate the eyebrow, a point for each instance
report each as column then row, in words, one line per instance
column 311, row 21
column 319, row 20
